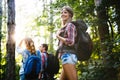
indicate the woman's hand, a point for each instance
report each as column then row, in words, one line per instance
column 59, row 32
column 60, row 37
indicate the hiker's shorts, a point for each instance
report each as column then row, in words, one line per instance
column 69, row 58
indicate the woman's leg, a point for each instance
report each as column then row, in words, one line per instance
column 70, row 71
column 63, row 76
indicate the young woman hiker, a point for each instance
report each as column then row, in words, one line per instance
column 66, row 52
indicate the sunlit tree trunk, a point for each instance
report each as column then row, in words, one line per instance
column 10, row 71
column 51, row 27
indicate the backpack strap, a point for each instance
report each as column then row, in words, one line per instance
column 44, row 60
column 28, row 53
column 46, row 57
column 38, row 53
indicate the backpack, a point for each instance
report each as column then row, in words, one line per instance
column 32, row 66
column 52, row 64
column 83, row 43
column 50, row 68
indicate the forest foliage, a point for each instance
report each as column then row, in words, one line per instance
column 103, row 22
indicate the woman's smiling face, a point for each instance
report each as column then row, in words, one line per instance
column 65, row 15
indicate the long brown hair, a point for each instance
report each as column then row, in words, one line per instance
column 30, row 45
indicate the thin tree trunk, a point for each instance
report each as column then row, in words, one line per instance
column 51, row 27
column 103, row 29
column 102, row 25
column 10, row 71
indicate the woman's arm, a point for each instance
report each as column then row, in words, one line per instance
column 19, row 47
column 60, row 37
column 70, row 39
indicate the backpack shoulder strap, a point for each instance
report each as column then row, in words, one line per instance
column 27, row 52
column 38, row 53
column 44, row 57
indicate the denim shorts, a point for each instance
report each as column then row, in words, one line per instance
column 68, row 58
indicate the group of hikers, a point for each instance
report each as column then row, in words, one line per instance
column 66, row 53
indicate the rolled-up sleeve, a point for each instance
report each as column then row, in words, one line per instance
column 19, row 50
column 70, row 39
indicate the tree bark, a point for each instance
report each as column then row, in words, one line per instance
column 51, row 28
column 103, row 27
column 10, row 71
column 102, row 24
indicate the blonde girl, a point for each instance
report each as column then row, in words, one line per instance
column 24, row 46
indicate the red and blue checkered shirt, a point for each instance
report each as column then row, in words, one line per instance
column 69, row 35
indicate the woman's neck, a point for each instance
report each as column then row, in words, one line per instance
column 66, row 22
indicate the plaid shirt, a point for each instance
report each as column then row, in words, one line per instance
column 69, row 35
